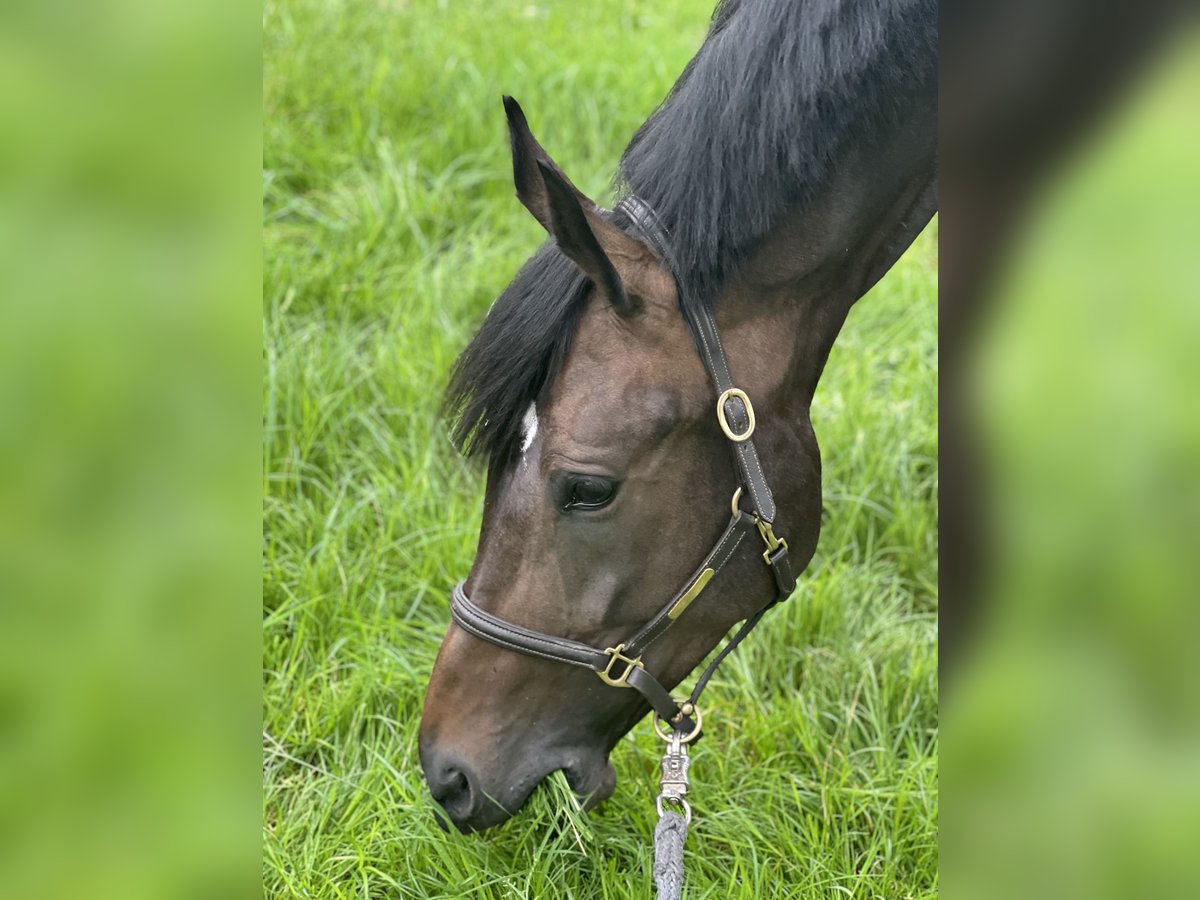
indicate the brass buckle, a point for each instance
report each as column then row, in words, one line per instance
column 768, row 535
column 725, row 397
column 764, row 529
column 615, row 656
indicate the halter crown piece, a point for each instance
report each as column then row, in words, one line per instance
column 621, row 666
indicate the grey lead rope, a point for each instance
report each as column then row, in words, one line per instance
column 674, row 814
column 668, row 854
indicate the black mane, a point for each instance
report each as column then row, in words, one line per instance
column 761, row 114
column 751, row 129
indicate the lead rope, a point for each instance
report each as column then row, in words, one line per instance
column 668, row 854
column 672, row 828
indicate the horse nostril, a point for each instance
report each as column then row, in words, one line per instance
column 454, row 783
column 453, row 788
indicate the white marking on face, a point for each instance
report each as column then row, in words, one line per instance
column 529, row 426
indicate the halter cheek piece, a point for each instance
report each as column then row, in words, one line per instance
column 622, row 666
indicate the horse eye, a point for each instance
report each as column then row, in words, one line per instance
column 589, row 492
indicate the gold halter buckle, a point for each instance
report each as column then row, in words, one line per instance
column 725, row 397
column 614, row 656
column 768, row 535
column 764, row 529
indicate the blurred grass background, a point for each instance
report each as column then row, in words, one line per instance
column 1072, row 737
column 390, row 226
column 129, row 449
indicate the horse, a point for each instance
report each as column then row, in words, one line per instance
column 789, row 167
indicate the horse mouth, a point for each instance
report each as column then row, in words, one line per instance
column 593, row 784
column 591, row 781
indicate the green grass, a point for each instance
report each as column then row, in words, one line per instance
column 389, row 228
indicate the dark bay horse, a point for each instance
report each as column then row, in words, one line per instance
column 791, row 165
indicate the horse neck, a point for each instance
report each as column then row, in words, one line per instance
column 780, row 316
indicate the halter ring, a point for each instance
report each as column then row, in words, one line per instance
column 685, row 738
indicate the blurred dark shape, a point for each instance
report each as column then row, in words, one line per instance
column 1023, row 83
column 1070, row 465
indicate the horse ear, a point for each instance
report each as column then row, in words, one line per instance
column 571, row 229
column 611, row 258
column 527, row 156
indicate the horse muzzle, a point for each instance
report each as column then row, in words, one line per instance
column 474, row 799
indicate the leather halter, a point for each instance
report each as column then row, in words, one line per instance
column 622, row 666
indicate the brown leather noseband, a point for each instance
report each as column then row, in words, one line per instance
column 622, row 666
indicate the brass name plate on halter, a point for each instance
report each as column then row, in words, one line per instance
column 692, row 593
